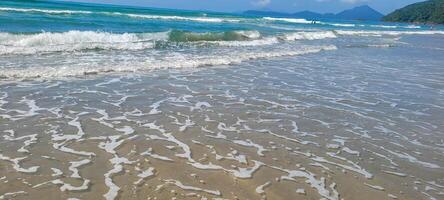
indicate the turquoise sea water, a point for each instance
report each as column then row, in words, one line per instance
column 53, row 39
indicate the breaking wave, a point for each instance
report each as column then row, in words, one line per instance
column 75, row 41
column 49, row 42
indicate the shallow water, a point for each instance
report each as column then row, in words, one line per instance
column 313, row 112
column 352, row 123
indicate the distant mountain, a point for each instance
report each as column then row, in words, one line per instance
column 431, row 11
column 358, row 13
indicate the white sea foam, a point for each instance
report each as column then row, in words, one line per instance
column 56, row 172
column 395, row 173
column 376, row 187
column 179, row 61
column 412, row 159
column 45, row 10
column 308, row 35
column 256, row 42
column 117, row 162
column 348, row 150
column 31, row 140
column 290, row 20
column 250, row 34
column 300, row 191
column 75, row 165
column 145, row 174
column 166, row 17
column 150, row 153
column 68, row 187
column 49, row 42
column 245, row 173
column 9, row 195
column 249, row 143
column 393, row 33
column 354, row 168
column 412, row 26
column 16, row 164
column 338, row 24
column 383, row 26
column 186, row 187
column 261, row 188
column 318, row 184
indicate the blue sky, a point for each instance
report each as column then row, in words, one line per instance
column 384, row 6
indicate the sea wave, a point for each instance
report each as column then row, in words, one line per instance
column 308, row 35
column 186, row 36
column 383, row 26
column 380, row 33
column 131, row 15
column 412, row 26
column 75, row 41
column 290, row 20
column 179, row 18
column 247, row 38
column 337, row 24
column 50, row 42
column 175, row 60
column 394, row 26
column 371, row 25
column 370, row 45
column 45, row 10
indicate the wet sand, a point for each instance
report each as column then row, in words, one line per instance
column 291, row 128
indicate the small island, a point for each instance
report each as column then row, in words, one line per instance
column 430, row 12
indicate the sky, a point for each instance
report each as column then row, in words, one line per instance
column 322, row 6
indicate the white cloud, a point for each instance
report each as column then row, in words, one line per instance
column 261, row 3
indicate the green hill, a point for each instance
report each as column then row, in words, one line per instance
column 431, row 11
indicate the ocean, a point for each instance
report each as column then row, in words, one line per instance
column 113, row 102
